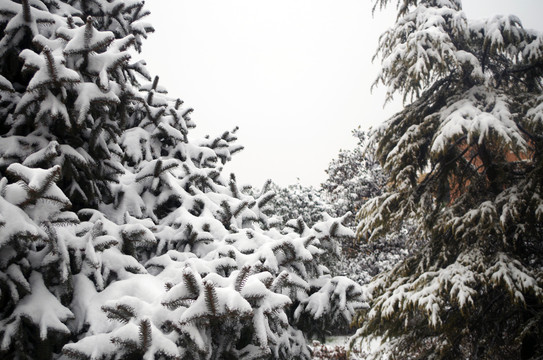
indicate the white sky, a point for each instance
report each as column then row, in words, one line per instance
column 294, row 75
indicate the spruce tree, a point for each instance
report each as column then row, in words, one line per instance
column 464, row 158
column 296, row 200
column 354, row 176
column 120, row 238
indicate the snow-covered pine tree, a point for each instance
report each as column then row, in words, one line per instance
column 35, row 276
column 299, row 205
column 465, row 159
column 71, row 85
column 63, row 82
column 119, row 237
column 220, row 281
column 297, row 200
column 353, row 177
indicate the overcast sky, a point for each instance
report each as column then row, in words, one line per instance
column 294, row 75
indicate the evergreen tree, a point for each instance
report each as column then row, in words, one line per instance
column 62, row 85
column 296, row 200
column 119, row 236
column 353, row 177
column 465, row 159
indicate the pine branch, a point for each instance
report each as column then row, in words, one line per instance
column 334, row 228
column 309, row 240
column 103, row 245
column 27, row 15
column 74, row 353
column 241, row 278
column 127, row 345
column 191, row 282
column 170, row 166
column 266, row 187
column 226, row 214
column 287, row 248
column 234, row 186
column 279, row 282
column 121, row 312
column 244, row 204
column 211, row 299
column 65, row 204
column 264, row 199
column 174, row 304
column 186, row 114
column 146, row 336
column 178, row 103
column 298, row 225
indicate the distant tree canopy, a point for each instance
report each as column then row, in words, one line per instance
column 298, row 201
column 353, row 177
column 465, row 160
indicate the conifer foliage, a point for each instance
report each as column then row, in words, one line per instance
column 465, row 159
column 119, row 236
column 296, row 200
column 354, row 176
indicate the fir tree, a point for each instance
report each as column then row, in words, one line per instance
column 354, row 176
column 295, row 201
column 465, row 159
column 62, row 85
column 119, row 236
